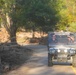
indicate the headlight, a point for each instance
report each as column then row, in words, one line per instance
column 58, row 50
column 51, row 50
column 72, row 50
column 65, row 50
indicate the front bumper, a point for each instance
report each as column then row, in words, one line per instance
column 61, row 58
column 62, row 51
column 62, row 55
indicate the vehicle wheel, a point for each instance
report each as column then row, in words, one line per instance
column 50, row 63
column 74, row 61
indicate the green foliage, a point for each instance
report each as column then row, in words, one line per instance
column 42, row 15
column 72, row 27
column 68, row 16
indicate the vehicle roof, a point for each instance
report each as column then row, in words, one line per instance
column 60, row 33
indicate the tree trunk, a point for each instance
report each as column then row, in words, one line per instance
column 11, row 28
column 33, row 36
column 13, row 34
column 33, row 32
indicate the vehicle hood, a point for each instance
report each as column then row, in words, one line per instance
column 62, row 46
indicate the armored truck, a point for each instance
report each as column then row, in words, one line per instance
column 61, row 47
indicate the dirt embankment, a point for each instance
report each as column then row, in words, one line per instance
column 23, row 37
column 3, row 35
column 12, row 56
column 26, row 37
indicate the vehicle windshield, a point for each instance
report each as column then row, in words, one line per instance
column 62, row 39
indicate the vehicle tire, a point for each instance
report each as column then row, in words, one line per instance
column 50, row 63
column 74, row 61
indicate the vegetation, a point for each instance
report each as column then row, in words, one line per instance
column 34, row 15
column 37, row 15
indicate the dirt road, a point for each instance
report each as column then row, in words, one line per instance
column 37, row 65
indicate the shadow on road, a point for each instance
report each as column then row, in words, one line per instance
column 37, row 63
column 13, row 56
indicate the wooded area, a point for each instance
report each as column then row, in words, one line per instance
column 37, row 15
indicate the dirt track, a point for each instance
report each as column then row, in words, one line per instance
column 37, row 64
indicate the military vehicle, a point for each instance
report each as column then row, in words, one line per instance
column 61, row 47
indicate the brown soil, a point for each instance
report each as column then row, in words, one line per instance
column 22, row 37
column 12, row 56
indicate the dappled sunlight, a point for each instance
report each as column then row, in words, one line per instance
column 55, row 70
column 26, row 37
column 42, row 54
column 37, row 65
column 25, row 45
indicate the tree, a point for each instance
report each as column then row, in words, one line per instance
column 6, row 10
column 68, row 16
column 43, row 14
column 11, row 17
